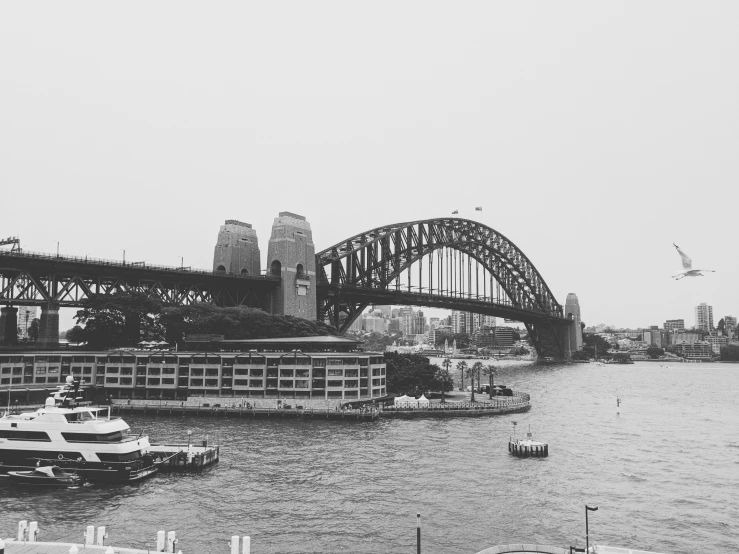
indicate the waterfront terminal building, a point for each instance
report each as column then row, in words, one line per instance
column 326, row 367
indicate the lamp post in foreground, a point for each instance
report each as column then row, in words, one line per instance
column 587, row 538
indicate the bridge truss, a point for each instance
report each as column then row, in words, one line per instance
column 37, row 279
column 452, row 263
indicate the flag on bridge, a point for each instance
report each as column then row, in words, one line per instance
column 455, row 212
column 478, row 208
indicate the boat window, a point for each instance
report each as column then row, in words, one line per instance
column 20, row 435
column 92, row 437
column 127, row 457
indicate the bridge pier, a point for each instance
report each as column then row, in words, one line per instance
column 291, row 255
column 8, row 325
column 48, row 329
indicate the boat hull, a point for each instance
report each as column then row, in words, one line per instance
column 28, row 478
column 115, row 472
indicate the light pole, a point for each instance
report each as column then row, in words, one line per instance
column 587, row 537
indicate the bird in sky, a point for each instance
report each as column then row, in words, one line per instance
column 688, row 270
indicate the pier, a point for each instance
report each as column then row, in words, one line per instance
column 244, row 412
column 185, row 456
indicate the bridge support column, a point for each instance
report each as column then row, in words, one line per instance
column 48, row 329
column 572, row 312
column 292, row 256
column 8, row 325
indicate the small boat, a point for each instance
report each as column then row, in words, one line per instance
column 49, row 476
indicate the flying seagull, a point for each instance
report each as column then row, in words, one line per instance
column 688, row 270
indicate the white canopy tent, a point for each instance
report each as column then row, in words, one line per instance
column 410, row 402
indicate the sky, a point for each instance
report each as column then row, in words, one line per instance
column 593, row 134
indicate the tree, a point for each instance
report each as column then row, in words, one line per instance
column 491, row 371
column 76, row 334
column 446, row 364
column 462, row 367
column 730, row 353
column 412, row 374
column 121, row 319
column 238, row 322
column 591, row 341
column 377, row 342
column 473, row 372
column 33, row 330
column 721, row 326
column 655, row 352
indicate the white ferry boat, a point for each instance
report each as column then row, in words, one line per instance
column 73, row 435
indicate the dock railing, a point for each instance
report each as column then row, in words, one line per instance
column 517, row 400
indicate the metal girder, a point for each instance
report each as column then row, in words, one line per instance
column 376, row 258
column 33, row 279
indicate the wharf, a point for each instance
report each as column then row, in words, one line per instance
column 243, row 412
column 185, row 456
column 450, row 411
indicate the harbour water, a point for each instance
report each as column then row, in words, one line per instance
column 663, row 468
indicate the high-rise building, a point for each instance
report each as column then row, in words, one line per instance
column 729, row 325
column 459, row 322
column 674, row 325
column 704, row 317
column 385, row 309
column 373, row 323
column 26, row 315
column 468, row 323
column 405, row 315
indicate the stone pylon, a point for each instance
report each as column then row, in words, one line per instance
column 237, row 249
column 8, row 325
column 572, row 312
column 291, row 255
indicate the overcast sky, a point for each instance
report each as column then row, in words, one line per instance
column 594, row 134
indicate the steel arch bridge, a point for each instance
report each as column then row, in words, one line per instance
column 450, row 263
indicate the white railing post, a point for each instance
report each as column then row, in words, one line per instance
column 101, row 536
column 160, row 541
column 33, row 531
column 247, row 545
column 22, row 530
column 90, row 535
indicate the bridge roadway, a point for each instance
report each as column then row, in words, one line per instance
column 30, row 278
column 365, row 296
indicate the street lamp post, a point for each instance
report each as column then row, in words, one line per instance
column 587, row 537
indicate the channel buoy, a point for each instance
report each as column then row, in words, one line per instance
column 528, row 447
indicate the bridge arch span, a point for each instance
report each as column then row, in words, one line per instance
column 371, row 266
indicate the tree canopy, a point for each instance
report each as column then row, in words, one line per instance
column 238, row 322
column 655, row 352
column 413, row 374
column 122, row 319
column 730, row 353
column 591, row 340
column 127, row 318
column 76, row 334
